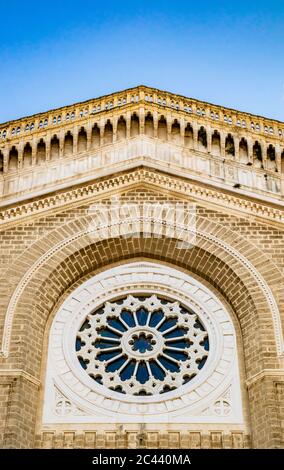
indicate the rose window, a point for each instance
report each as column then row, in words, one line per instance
column 142, row 345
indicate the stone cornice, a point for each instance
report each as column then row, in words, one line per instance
column 145, row 89
column 139, row 96
column 137, row 177
column 276, row 374
column 16, row 373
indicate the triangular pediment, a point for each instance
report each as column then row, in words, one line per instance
column 143, row 179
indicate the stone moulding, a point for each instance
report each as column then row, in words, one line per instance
column 137, row 97
column 272, row 373
column 16, row 373
column 142, row 175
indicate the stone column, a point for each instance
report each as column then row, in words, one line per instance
column 182, row 131
column 278, row 157
column 75, row 140
column 102, row 131
column 34, row 151
column 222, row 143
column 141, row 119
column 195, row 135
column 20, row 155
column 128, row 124
column 169, row 127
column 155, row 123
column 209, row 138
column 250, row 150
column 89, row 136
column 61, row 143
column 5, row 152
column 47, row 146
column 114, row 128
column 237, row 147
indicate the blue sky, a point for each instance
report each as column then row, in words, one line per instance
column 54, row 53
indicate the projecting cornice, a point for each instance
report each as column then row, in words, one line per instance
column 108, row 104
column 142, row 123
column 141, row 176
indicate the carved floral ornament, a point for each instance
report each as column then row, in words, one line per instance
column 142, row 339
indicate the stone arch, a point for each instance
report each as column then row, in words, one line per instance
column 149, row 125
column 108, row 133
column 121, row 128
column 202, row 138
column 216, row 143
column 134, row 125
column 271, row 158
column 243, row 150
column 96, row 138
column 13, row 159
column 162, row 128
column 51, row 288
column 188, row 136
column 68, row 144
column 82, row 140
column 41, row 152
column 230, row 146
column 27, row 155
column 257, row 155
column 54, row 147
column 175, row 132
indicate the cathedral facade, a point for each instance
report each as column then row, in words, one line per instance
column 142, row 285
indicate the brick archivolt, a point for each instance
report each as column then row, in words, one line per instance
column 80, row 257
column 218, row 256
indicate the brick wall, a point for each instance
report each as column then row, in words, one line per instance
column 148, row 440
column 24, row 243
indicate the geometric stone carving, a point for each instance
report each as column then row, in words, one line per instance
column 221, row 407
column 184, row 404
column 63, row 406
column 142, row 345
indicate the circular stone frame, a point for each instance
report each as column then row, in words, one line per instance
column 67, row 375
column 160, row 351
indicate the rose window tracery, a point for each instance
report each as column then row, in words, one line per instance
column 142, row 345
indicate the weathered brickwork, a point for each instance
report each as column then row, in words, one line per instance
column 46, row 254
